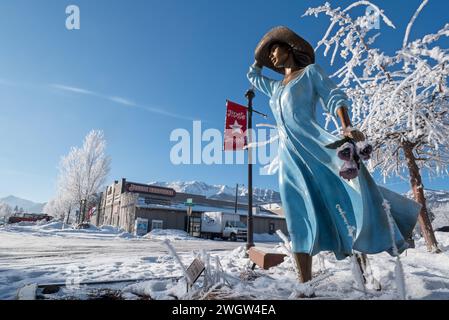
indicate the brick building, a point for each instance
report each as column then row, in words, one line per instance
column 123, row 202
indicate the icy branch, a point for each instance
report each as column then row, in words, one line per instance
column 412, row 21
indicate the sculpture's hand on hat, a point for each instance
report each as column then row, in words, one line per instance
column 258, row 64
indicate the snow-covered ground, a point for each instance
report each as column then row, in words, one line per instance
column 45, row 253
column 48, row 253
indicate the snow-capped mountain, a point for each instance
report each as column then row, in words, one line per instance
column 438, row 203
column 434, row 198
column 27, row 205
column 221, row 192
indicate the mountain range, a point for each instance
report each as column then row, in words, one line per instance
column 27, row 205
column 438, row 205
column 222, row 192
column 435, row 198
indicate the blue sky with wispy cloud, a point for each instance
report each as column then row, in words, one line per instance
column 139, row 69
column 120, row 100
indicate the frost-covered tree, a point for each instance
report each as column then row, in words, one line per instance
column 51, row 209
column 400, row 101
column 60, row 207
column 84, row 170
column 5, row 210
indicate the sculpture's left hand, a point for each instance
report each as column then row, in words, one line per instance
column 354, row 134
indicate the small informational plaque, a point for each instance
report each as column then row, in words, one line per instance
column 195, row 270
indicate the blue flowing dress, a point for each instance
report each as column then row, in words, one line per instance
column 312, row 192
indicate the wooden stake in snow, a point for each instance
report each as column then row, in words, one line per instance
column 218, row 275
column 399, row 271
column 287, row 247
column 206, row 260
column 285, row 239
column 322, row 263
column 356, row 269
column 173, row 253
column 357, row 272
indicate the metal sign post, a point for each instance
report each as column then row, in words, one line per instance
column 189, row 203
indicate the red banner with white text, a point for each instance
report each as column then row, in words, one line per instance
column 235, row 127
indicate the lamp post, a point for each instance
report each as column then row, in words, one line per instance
column 250, row 96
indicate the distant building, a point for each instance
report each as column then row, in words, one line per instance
column 164, row 208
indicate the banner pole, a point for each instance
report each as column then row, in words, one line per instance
column 249, row 241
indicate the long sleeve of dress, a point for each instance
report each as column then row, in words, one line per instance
column 262, row 83
column 332, row 97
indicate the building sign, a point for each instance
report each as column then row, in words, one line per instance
column 144, row 188
column 189, row 202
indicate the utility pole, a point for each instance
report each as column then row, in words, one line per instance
column 236, row 195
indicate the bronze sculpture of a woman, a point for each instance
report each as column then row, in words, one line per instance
column 320, row 207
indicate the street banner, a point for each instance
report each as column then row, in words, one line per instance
column 235, row 127
column 91, row 212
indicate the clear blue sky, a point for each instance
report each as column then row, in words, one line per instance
column 183, row 58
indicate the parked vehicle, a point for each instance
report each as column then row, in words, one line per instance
column 222, row 225
column 28, row 217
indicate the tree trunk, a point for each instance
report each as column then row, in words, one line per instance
column 68, row 215
column 78, row 219
column 418, row 193
column 84, row 212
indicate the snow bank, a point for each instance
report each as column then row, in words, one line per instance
column 110, row 229
column 265, row 237
column 157, row 289
column 125, row 235
column 58, row 228
column 57, row 225
column 170, row 234
column 24, row 224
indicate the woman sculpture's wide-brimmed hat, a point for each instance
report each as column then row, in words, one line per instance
column 302, row 50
